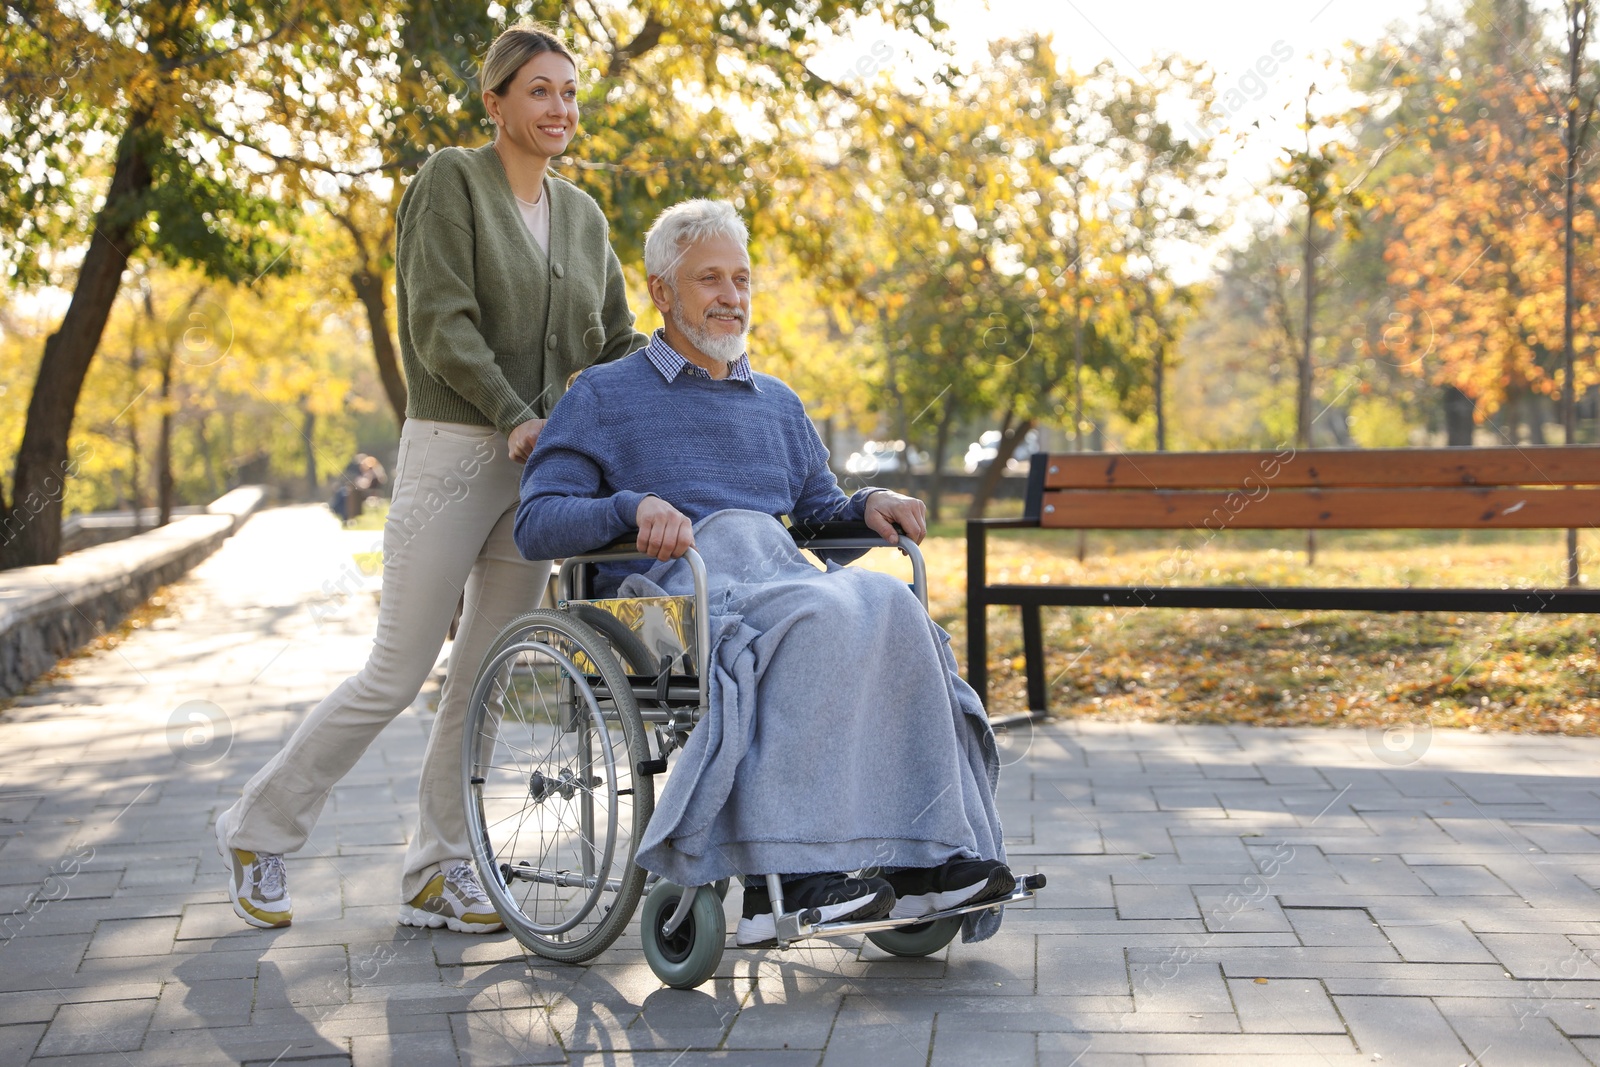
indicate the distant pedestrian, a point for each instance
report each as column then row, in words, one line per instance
column 360, row 481
column 506, row 284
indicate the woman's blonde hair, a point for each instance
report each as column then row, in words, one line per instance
column 514, row 47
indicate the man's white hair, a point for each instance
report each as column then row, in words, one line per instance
column 685, row 224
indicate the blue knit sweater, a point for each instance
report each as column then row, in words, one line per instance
column 622, row 432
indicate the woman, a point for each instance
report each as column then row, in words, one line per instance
column 506, row 286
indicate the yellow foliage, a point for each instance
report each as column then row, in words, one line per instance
column 1480, row 261
column 245, row 364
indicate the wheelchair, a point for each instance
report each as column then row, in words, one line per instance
column 574, row 713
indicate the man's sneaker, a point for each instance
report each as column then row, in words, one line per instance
column 924, row 890
column 258, row 885
column 839, row 897
column 453, row 898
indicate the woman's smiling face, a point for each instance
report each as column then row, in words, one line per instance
column 539, row 111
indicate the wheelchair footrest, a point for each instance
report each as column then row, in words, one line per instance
column 1024, row 891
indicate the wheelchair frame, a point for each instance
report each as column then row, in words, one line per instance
column 683, row 928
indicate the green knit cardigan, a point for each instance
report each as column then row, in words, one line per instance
column 491, row 326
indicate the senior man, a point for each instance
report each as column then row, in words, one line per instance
column 840, row 737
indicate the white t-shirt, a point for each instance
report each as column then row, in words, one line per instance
column 536, row 217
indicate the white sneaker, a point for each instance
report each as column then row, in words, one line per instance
column 258, row 884
column 836, row 898
column 453, row 898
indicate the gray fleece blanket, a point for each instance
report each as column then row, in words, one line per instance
column 838, row 724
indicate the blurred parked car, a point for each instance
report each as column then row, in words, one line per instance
column 888, row 457
column 983, row 450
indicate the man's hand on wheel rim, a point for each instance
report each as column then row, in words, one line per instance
column 886, row 509
column 664, row 531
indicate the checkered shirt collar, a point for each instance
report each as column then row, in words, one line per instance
column 667, row 360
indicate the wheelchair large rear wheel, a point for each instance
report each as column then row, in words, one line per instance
column 555, row 801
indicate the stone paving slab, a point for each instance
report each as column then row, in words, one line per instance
column 1218, row 895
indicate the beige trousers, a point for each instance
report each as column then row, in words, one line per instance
column 448, row 532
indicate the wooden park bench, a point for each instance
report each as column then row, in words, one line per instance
column 1538, row 487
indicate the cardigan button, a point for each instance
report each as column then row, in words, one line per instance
column 550, row 342
column 560, row 272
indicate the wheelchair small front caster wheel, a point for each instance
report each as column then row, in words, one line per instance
column 690, row 954
column 923, row 939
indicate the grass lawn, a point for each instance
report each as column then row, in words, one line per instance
column 372, row 515
column 1492, row 672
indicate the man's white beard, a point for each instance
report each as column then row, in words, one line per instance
column 724, row 348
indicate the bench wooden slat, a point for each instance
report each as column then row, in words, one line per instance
column 1344, row 467
column 1300, row 598
column 1326, row 509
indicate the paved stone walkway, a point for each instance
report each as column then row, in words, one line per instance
column 1217, row 895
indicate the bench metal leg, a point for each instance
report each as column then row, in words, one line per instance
column 977, row 611
column 1033, row 656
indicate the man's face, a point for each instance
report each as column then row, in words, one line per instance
column 710, row 305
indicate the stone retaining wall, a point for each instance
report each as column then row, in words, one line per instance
column 102, row 527
column 47, row 612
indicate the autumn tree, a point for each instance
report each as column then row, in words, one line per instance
column 1480, row 259
column 198, row 381
column 110, row 124
column 1465, row 92
column 972, row 251
column 1166, row 195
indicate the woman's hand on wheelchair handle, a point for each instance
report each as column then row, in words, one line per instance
column 664, row 531
column 887, row 509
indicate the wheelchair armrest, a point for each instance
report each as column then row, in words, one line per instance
column 625, row 547
column 622, row 543
column 844, row 530
column 803, row 533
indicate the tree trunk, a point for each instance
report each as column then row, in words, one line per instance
column 941, row 445
column 369, row 290
column 1533, row 415
column 308, row 430
column 135, row 479
column 1158, row 366
column 1303, row 386
column 1458, row 424
column 1337, row 423
column 1573, row 131
column 1077, row 382
column 164, row 446
column 213, row 487
column 32, row 518
column 1303, row 390
column 1012, row 431
column 229, row 436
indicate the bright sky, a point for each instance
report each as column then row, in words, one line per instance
column 1231, row 35
column 1245, row 42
